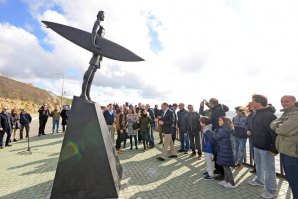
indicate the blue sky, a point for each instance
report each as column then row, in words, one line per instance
column 17, row 13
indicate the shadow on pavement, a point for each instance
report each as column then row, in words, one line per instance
column 40, row 166
column 38, row 191
column 33, row 142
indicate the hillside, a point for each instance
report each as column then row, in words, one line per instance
column 22, row 95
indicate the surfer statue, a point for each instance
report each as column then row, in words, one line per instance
column 94, row 63
column 99, row 46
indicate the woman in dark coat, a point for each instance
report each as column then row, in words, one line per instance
column 65, row 114
column 225, row 156
column 145, row 122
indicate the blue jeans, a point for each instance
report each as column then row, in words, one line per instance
column 265, row 168
column 251, row 147
column 290, row 165
column 239, row 146
column 184, row 140
column 55, row 123
column 151, row 141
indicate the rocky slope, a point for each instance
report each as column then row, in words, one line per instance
column 22, row 95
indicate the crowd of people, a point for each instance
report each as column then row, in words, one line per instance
column 13, row 123
column 209, row 132
column 44, row 113
column 221, row 139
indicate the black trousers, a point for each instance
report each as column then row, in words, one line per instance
column 119, row 139
column 42, row 126
column 135, row 138
column 195, row 143
column 7, row 138
column 63, row 127
column 139, row 136
column 218, row 167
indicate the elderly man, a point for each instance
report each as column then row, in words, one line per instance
column 6, row 126
column 286, row 128
column 192, row 128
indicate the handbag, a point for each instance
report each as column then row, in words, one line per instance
column 135, row 126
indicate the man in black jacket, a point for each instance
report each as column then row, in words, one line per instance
column 44, row 113
column 167, row 123
column 217, row 110
column 152, row 125
column 264, row 146
column 6, row 126
column 192, row 127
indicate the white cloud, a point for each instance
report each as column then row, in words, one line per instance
column 226, row 49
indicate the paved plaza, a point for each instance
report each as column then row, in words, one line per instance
column 31, row 176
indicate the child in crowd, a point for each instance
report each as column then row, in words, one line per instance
column 224, row 150
column 207, row 146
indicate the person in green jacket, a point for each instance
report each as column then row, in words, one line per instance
column 145, row 122
column 286, row 128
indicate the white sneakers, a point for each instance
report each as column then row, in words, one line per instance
column 229, row 185
column 226, row 184
column 222, row 183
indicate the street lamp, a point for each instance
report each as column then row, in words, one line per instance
column 62, row 74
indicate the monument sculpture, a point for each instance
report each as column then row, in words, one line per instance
column 88, row 165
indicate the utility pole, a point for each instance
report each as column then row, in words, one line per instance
column 62, row 92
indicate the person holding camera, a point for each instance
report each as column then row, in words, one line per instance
column 44, row 114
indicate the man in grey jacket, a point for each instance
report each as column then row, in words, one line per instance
column 183, row 137
column 192, row 127
column 286, row 128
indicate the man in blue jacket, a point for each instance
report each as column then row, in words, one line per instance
column 109, row 116
column 167, row 123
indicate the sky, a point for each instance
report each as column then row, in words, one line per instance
column 193, row 50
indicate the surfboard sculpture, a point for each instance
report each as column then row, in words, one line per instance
column 83, row 39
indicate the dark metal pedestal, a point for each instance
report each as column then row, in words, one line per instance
column 88, row 164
